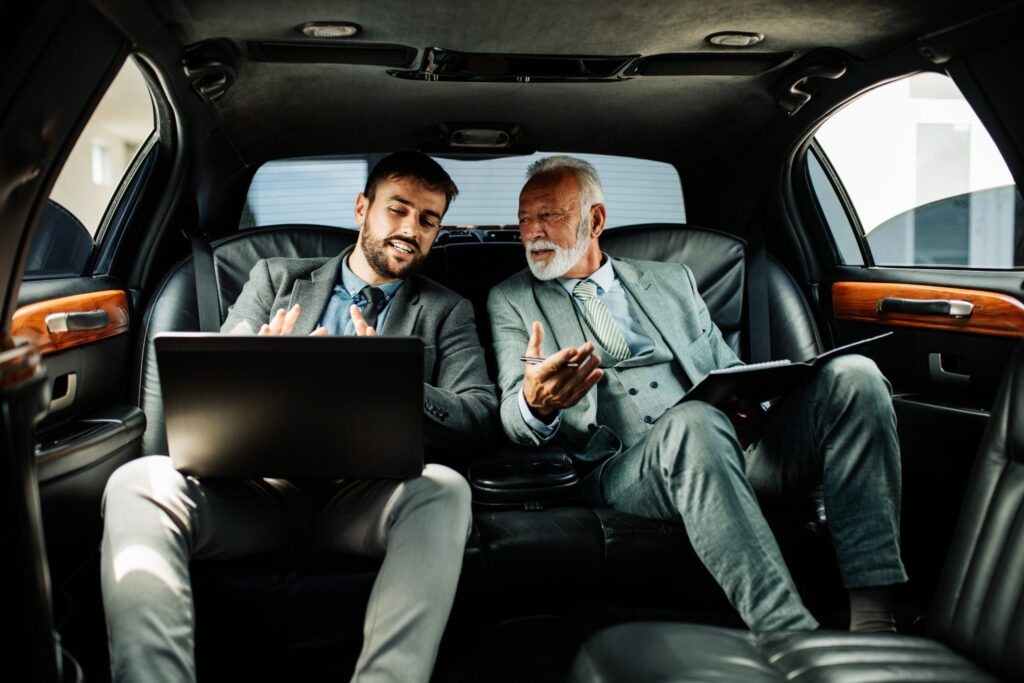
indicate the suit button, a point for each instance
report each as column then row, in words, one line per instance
column 654, row 385
column 592, row 427
column 632, row 392
column 648, row 419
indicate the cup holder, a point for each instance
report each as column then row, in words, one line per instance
column 520, row 477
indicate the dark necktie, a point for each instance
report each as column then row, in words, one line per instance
column 375, row 304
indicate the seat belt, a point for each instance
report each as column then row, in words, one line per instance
column 758, row 313
column 207, row 296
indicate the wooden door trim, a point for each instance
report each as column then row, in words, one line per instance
column 30, row 321
column 994, row 314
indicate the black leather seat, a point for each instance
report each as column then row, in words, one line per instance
column 173, row 306
column 976, row 623
column 567, row 552
column 631, row 560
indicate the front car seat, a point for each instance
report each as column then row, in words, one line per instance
column 976, row 625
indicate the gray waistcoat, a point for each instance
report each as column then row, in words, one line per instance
column 635, row 392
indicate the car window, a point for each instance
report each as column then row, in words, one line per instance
column 923, row 181
column 73, row 215
column 321, row 190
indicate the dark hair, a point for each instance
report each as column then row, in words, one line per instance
column 414, row 165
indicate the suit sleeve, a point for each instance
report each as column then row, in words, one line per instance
column 509, row 332
column 252, row 309
column 725, row 357
column 462, row 402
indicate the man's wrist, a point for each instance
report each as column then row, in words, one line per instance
column 543, row 428
column 547, row 417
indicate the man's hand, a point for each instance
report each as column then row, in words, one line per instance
column 747, row 418
column 362, row 329
column 284, row 322
column 552, row 385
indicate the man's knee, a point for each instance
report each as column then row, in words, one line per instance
column 445, row 492
column 857, row 378
column 695, row 436
column 150, row 477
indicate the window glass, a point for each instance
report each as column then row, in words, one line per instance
column 924, row 179
column 322, row 191
column 122, row 121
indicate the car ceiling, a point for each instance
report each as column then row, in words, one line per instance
column 285, row 109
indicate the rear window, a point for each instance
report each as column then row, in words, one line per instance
column 322, row 191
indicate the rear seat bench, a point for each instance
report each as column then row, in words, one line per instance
column 555, row 553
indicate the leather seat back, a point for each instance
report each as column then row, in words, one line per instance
column 174, row 308
column 471, row 269
column 718, row 263
column 979, row 608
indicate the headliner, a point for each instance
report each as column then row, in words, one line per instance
column 278, row 110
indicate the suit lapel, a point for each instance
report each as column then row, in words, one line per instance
column 314, row 293
column 563, row 326
column 653, row 298
column 405, row 309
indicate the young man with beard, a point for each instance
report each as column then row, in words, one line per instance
column 157, row 519
column 627, row 339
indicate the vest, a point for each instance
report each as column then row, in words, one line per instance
column 635, row 392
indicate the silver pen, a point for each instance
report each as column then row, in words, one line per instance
column 536, row 360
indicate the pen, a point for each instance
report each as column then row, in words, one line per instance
column 534, row 360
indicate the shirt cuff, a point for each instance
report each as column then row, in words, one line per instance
column 544, row 431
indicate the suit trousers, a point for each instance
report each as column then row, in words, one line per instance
column 836, row 431
column 156, row 520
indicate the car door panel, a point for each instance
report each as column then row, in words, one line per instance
column 90, row 429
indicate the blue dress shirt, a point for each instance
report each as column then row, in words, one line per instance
column 613, row 296
column 337, row 318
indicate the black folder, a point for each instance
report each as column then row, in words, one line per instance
column 764, row 381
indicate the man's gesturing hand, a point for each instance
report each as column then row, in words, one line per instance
column 552, row 385
column 362, row 329
column 284, row 322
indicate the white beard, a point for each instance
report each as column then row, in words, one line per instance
column 563, row 259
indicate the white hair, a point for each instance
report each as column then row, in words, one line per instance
column 586, row 175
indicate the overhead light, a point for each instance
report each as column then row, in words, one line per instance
column 735, row 38
column 329, row 29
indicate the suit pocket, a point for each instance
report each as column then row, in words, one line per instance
column 700, row 355
column 429, row 356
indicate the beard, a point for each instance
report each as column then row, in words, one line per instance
column 563, row 259
column 377, row 255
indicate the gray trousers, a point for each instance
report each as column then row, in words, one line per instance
column 837, row 431
column 156, row 519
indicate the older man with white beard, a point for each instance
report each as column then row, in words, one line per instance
column 628, row 338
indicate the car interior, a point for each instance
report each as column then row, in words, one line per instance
column 829, row 171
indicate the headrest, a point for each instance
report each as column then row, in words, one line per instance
column 236, row 254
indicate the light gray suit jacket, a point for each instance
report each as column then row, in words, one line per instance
column 459, row 397
column 667, row 292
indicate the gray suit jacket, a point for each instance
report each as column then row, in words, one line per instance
column 459, row 397
column 668, row 294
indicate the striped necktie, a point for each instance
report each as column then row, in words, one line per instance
column 600, row 320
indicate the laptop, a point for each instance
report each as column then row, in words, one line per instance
column 292, row 407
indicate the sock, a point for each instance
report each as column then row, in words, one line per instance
column 871, row 610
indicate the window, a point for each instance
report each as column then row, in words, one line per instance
column 121, row 123
column 923, row 181
column 322, row 191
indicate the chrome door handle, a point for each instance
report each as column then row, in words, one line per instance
column 954, row 308
column 76, row 322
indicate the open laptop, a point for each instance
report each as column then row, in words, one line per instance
column 292, row 407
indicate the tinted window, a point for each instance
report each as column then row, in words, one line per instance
column 323, row 191
column 924, row 179
column 121, row 123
